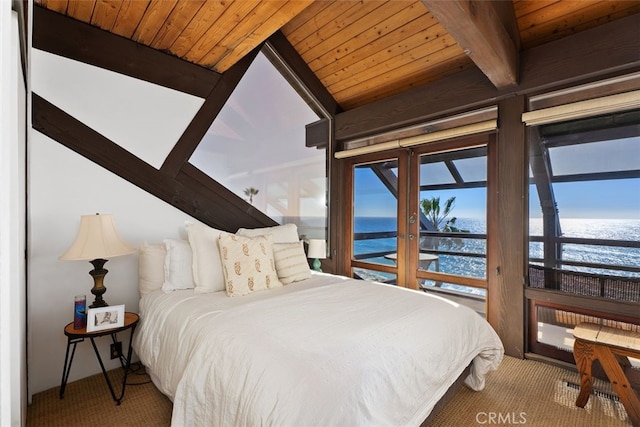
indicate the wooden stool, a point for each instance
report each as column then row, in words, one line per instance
column 612, row 347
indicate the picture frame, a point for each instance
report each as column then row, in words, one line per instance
column 102, row 318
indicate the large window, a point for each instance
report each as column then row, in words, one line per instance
column 585, row 196
column 256, row 148
column 584, row 244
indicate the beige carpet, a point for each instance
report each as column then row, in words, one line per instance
column 532, row 394
column 521, row 392
column 88, row 403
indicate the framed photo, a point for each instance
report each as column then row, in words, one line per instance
column 101, row 318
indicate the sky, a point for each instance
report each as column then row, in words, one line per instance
column 260, row 128
column 614, row 199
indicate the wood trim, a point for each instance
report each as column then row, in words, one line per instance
column 463, row 91
column 215, row 207
column 299, row 67
column 473, row 282
column 337, row 201
column 405, row 276
column 507, row 225
column 590, row 311
column 548, row 297
column 588, row 55
column 203, row 119
column 64, row 36
column 345, row 168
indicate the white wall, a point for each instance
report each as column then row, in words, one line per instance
column 12, row 223
column 64, row 185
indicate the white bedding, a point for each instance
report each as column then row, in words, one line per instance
column 327, row 351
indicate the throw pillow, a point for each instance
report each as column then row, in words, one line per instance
column 178, row 270
column 247, row 264
column 150, row 267
column 291, row 262
column 207, row 269
column 287, row 233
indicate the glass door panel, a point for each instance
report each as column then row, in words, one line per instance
column 375, row 220
column 451, row 220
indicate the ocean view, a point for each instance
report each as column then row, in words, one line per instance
column 614, row 229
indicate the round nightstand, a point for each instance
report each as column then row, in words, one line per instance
column 74, row 336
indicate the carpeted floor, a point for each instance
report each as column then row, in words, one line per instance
column 87, row 402
column 521, row 392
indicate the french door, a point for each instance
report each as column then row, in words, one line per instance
column 418, row 217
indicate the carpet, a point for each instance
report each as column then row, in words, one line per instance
column 520, row 393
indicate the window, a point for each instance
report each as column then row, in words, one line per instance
column 584, row 228
column 256, row 148
column 454, row 228
column 375, row 217
column 588, row 181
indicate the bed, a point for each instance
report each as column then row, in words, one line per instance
column 327, row 350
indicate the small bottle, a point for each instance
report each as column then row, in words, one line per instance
column 80, row 312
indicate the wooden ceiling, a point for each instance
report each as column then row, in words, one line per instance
column 361, row 51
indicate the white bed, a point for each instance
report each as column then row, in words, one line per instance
column 325, row 351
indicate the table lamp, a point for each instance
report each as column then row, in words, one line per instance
column 317, row 251
column 97, row 239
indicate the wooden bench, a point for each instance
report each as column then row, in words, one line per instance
column 612, row 347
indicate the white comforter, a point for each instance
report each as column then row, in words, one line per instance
column 328, row 351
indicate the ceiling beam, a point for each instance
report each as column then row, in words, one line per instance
column 602, row 51
column 486, row 31
column 64, row 36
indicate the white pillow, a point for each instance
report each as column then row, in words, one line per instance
column 248, row 264
column 207, row 268
column 178, row 270
column 150, row 267
column 291, row 262
column 287, row 233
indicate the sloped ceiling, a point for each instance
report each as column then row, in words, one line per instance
column 361, row 51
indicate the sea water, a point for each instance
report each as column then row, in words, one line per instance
column 610, row 229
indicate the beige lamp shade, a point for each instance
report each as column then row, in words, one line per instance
column 317, row 249
column 97, row 238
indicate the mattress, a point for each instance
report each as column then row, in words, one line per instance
column 327, row 351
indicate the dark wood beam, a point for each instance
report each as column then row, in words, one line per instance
column 507, row 220
column 64, row 36
column 478, row 28
column 205, row 116
column 602, row 51
column 507, row 16
column 299, row 67
column 196, row 195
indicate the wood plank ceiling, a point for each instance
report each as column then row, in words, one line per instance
column 361, row 51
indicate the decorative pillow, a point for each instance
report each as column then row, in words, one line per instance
column 247, row 264
column 178, row 270
column 287, row 233
column 291, row 262
column 207, row 268
column 150, row 267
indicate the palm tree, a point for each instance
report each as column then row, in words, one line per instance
column 431, row 210
column 250, row 192
column 439, row 218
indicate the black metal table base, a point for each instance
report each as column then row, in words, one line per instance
column 124, row 362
